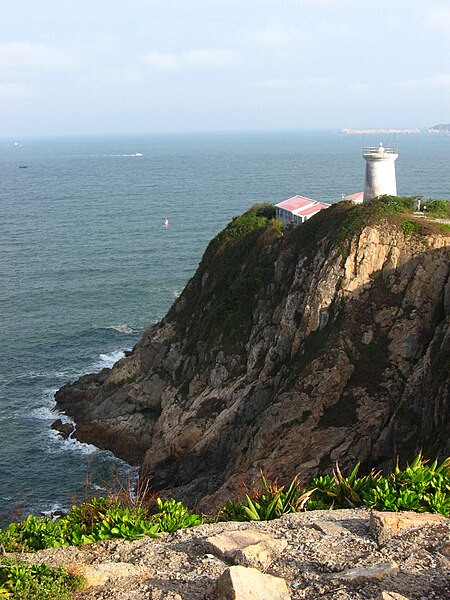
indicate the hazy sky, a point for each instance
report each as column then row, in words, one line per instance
column 118, row 66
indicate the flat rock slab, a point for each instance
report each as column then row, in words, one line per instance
column 384, row 525
column 246, row 583
column 247, row 548
column 99, row 574
column 362, row 575
column 330, row 528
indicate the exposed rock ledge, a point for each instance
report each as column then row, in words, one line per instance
column 285, row 353
column 342, row 554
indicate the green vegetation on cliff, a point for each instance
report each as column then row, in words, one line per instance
column 220, row 298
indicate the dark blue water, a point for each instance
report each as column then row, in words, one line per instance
column 85, row 264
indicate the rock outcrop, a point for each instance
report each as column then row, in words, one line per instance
column 287, row 353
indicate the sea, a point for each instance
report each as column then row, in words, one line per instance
column 86, row 263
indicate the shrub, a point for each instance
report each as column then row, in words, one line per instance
column 172, row 515
column 93, row 521
column 257, row 217
column 419, row 487
column 437, row 208
column 408, row 227
column 20, row 580
column 337, row 491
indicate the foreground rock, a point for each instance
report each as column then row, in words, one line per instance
column 330, row 343
column 245, row 583
column 326, row 554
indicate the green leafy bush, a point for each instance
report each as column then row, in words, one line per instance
column 23, row 581
column 172, row 515
column 408, row 227
column 337, row 491
column 257, row 217
column 104, row 519
column 437, row 208
column 93, row 521
column 420, row 487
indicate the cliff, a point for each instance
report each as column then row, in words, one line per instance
column 285, row 352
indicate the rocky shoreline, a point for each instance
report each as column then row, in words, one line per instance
column 340, row 555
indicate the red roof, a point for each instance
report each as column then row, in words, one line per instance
column 358, row 197
column 312, row 209
column 295, row 202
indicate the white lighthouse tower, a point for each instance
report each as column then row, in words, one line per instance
column 380, row 171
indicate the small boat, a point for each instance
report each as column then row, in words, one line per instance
column 166, row 223
column 23, row 166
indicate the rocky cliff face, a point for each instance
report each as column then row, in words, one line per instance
column 287, row 353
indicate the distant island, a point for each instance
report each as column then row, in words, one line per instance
column 349, row 131
column 442, row 128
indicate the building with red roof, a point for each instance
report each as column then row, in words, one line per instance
column 297, row 210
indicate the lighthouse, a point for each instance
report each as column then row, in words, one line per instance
column 380, row 171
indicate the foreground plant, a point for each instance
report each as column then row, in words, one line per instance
column 338, row 491
column 269, row 503
column 173, row 515
column 420, row 487
column 93, row 521
column 20, row 580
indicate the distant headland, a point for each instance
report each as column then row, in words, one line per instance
column 349, row 131
column 441, row 128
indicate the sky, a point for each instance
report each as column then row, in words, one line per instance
column 71, row 67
